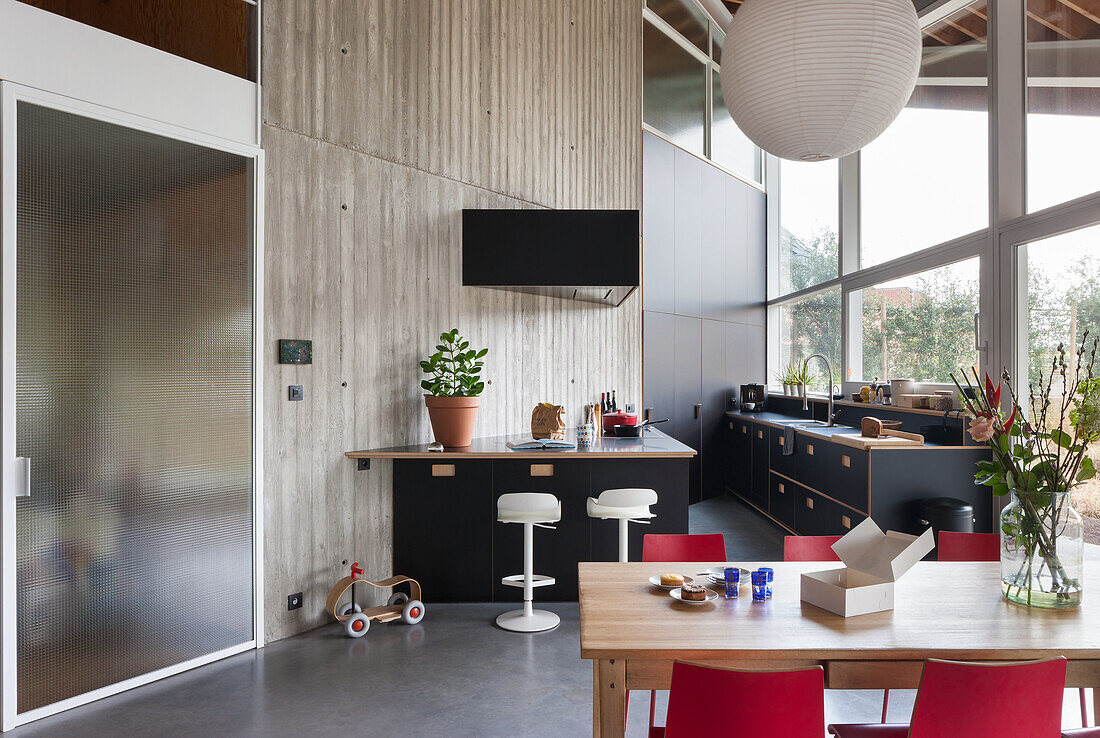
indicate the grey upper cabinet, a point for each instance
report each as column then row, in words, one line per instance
column 688, row 237
column 717, row 245
column 714, row 390
column 756, row 270
column 659, row 365
column 658, row 228
column 737, row 260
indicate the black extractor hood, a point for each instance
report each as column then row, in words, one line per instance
column 590, row 255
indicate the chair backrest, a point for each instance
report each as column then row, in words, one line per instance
column 710, row 700
column 810, row 548
column 954, row 546
column 683, row 547
column 1015, row 700
column 627, row 497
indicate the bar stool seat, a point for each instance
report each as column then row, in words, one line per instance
column 528, row 509
column 626, row 505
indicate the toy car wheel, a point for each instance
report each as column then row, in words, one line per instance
column 398, row 598
column 413, row 612
column 347, row 609
column 357, row 625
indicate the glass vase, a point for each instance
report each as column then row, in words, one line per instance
column 1042, row 550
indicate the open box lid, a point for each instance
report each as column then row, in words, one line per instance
column 873, row 556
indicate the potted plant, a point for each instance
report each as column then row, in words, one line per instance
column 1038, row 461
column 791, row 377
column 454, row 387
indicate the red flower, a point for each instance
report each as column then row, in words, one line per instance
column 992, row 394
column 1008, row 423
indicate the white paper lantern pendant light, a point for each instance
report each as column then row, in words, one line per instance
column 811, row 80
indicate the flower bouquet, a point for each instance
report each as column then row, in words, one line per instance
column 1037, row 461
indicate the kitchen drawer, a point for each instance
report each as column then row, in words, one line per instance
column 740, row 471
column 556, row 551
column 758, row 489
column 846, row 476
column 432, row 505
column 819, row 516
column 782, row 498
column 812, row 461
column 785, row 465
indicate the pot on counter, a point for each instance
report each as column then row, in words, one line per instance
column 610, row 420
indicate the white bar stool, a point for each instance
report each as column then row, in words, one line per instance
column 626, row 505
column 531, row 509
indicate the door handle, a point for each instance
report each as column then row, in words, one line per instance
column 22, row 476
column 698, row 406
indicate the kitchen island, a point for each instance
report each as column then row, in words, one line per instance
column 445, row 533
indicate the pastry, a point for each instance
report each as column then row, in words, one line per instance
column 693, row 592
column 671, row 580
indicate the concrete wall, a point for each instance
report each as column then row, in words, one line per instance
column 382, row 120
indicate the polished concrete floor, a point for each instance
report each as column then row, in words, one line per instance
column 452, row 675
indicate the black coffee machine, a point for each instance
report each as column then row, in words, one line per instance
column 752, row 398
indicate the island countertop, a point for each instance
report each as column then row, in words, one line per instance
column 652, row 445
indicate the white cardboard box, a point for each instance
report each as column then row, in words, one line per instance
column 874, row 561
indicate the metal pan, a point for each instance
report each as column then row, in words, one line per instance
column 635, row 431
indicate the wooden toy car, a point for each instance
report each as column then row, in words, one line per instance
column 357, row 620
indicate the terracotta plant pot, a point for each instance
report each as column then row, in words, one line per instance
column 453, row 419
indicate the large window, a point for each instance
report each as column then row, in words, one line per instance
column 808, row 326
column 1062, row 278
column 920, row 327
column 681, row 88
column 926, row 179
column 1063, row 101
column 808, row 224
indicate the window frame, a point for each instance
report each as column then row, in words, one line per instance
column 1010, row 225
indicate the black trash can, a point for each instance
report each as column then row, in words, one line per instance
column 945, row 513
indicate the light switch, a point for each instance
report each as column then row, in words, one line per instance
column 294, row 393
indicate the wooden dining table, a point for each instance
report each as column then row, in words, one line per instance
column 633, row 631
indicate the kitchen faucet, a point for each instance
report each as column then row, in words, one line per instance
column 829, row 366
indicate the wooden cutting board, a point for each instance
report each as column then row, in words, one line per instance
column 855, row 440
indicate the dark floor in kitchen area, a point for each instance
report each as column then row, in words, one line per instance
column 453, row 675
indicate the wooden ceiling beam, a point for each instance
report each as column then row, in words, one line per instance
column 965, row 30
column 1052, row 26
column 1080, row 10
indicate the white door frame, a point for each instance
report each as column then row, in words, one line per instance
column 10, row 95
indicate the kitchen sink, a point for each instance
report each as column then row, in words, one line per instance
column 809, row 424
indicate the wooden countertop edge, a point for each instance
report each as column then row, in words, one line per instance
column 542, row 455
column 970, row 654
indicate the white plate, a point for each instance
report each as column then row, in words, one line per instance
column 718, row 576
column 675, row 594
column 655, row 580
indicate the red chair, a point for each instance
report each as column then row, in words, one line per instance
column 954, row 546
column 968, row 546
column 713, row 701
column 679, row 547
column 810, row 548
column 1015, row 700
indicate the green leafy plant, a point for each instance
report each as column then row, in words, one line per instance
column 792, row 373
column 454, row 368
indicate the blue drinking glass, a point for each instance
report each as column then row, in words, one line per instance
column 733, row 581
column 771, row 576
column 759, row 586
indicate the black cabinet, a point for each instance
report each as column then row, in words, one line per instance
column 667, row 476
column 812, row 461
column 712, row 410
column 783, row 495
column 556, row 551
column 846, row 478
column 816, row 515
column 738, row 456
column 758, row 489
column 784, row 464
column 433, row 504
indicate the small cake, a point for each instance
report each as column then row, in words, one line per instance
column 671, row 580
column 693, row 592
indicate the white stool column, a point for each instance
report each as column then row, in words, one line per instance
column 624, row 505
column 530, row 509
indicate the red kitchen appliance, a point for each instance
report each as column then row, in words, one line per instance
column 610, row 420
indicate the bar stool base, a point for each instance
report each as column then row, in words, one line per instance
column 519, row 622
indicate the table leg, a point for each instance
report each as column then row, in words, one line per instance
column 608, row 697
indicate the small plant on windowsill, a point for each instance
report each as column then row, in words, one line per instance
column 454, row 388
column 792, row 377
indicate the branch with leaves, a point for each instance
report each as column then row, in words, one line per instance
column 454, row 369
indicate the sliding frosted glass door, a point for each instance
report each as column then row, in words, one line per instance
column 133, row 333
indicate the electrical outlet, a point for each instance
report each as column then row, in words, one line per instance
column 294, row 392
column 294, row 601
column 630, row 407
